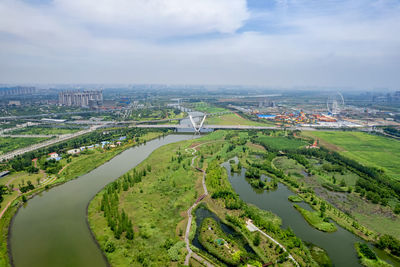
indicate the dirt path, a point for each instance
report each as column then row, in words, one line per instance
column 63, row 168
column 7, row 206
column 190, row 216
column 9, row 182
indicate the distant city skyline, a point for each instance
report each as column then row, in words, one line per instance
column 277, row 43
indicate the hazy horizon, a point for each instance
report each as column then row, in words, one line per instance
column 279, row 43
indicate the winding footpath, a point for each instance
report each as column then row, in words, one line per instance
column 190, row 218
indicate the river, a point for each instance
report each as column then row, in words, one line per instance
column 339, row 245
column 51, row 229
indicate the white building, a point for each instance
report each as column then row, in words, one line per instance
column 73, row 151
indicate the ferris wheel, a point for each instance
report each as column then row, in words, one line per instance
column 335, row 103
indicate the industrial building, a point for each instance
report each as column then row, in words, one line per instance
column 90, row 99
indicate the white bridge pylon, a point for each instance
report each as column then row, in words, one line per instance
column 195, row 127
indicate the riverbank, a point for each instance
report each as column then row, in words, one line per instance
column 154, row 204
column 77, row 167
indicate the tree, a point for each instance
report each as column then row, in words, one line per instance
column 110, row 247
column 397, row 209
column 257, row 239
column 322, row 208
column 366, row 251
column 342, row 183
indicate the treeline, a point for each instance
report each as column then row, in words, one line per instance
column 392, row 131
column 370, row 179
column 118, row 220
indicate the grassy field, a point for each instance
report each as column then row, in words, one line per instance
column 44, row 130
column 313, row 218
column 156, row 206
column 8, row 144
column 207, row 108
column 371, row 150
column 234, row 119
column 289, row 166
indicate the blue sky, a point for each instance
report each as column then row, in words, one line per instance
column 282, row 43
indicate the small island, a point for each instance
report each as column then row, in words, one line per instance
column 316, row 220
column 295, row 198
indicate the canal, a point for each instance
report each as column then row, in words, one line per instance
column 52, row 230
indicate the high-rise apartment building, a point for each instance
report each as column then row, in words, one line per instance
column 80, row 98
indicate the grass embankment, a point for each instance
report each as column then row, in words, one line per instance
column 8, row 144
column 370, row 150
column 295, row 198
column 78, row 166
column 234, row 119
column 315, row 220
column 155, row 205
column 368, row 257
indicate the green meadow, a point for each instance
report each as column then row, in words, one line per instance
column 371, row 150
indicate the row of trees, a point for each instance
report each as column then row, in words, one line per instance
column 117, row 219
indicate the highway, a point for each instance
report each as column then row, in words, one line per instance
column 217, row 127
column 58, row 139
column 28, row 135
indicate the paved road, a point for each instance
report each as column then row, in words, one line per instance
column 28, row 135
column 60, row 138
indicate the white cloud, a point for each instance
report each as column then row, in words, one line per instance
column 159, row 17
column 124, row 41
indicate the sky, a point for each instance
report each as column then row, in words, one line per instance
column 282, row 43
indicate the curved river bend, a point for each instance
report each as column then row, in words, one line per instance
column 52, row 230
